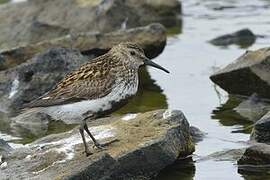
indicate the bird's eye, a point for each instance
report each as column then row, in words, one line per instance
column 132, row 53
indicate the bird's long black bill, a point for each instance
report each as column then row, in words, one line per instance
column 151, row 63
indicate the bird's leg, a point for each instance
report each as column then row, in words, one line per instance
column 87, row 152
column 96, row 144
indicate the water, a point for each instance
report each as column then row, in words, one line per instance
column 191, row 60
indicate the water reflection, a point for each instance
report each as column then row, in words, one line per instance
column 227, row 116
column 183, row 169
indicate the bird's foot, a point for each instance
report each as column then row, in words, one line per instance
column 99, row 146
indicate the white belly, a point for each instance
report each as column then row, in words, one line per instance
column 72, row 113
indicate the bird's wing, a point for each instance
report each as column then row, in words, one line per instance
column 91, row 81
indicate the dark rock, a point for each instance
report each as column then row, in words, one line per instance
column 244, row 38
column 5, row 149
column 197, row 134
column 136, row 147
column 254, row 163
column 261, row 129
column 152, row 38
column 256, row 155
column 253, row 108
column 32, row 79
column 247, row 75
column 17, row 19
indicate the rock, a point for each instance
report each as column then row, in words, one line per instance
column 152, row 38
column 59, row 17
column 225, row 155
column 247, row 75
column 244, row 38
column 196, row 134
column 261, row 129
column 254, row 162
column 256, row 155
column 35, row 124
column 32, row 79
column 136, row 147
column 5, row 149
column 253, row 108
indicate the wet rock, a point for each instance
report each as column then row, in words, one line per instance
column 136, row 147
column 256, row 155
column 247, row 75
column 243, row 38
column 79, row 16
column 5, row 149
column 197, row 134
column 261, row 129
column 32, row 79
column 253, row 108
column 152, row 38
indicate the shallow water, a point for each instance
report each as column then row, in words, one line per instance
column 191, row 60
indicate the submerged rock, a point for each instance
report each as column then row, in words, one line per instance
column 261, row 129
column 151, row 38
column 247, row 75
column 139, row 146
column 253, row 108
column 23, row 22
column 243, row 38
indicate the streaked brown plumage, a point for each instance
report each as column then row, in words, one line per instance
column 97, row 86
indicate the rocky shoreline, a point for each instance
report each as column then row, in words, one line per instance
column 248, row 77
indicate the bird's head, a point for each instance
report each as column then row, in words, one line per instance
column 133, row 55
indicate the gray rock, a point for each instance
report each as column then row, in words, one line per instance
column 136, row 147
column 258, row 154
column 253, row 108
column 28, row 123
column 244, row 38
column 249, row 74
column 32, row 79
column 261, row 129
column 152, row 38
column 60, row 17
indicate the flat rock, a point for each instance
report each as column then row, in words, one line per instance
column 249, row 74
column 261, row 130
column 137, row 146
column 33, row 21
column 151, row 38
column 243, row 38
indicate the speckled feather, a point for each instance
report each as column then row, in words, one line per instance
column 92, row 80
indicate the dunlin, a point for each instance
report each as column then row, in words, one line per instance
column 96, row 88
